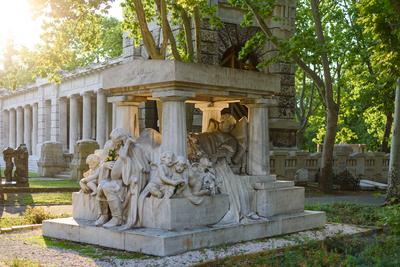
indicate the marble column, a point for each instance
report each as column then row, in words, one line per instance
column 73, row 122
column 28, row 128
column 87, row 116
column 47, row 120
column 34, row 128
column 127, row 117
column 258, row 155
column 63, row 122
column 174, row 137
column 20, row 126
column 210, row 110
column 5, row 128
column 12, row 133
column 55, row 120
column 101, row 118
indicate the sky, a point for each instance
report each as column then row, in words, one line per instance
column 17, row 23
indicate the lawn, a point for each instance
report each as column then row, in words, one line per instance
column 40, row 183
column 64, row 198
column 380, row 249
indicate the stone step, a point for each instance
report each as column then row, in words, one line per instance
column 277, row 201
column 62, row 176
column 164, row 243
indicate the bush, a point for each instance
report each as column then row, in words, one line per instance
column 37, row 215
column 391, row 218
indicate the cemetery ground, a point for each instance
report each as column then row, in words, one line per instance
column 375, row 239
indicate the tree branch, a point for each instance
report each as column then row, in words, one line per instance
column 188, row 34
column 312, row 74
column 148, row 38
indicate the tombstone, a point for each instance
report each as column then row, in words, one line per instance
column 8, row 154
column 83, row 148
column 21, row 161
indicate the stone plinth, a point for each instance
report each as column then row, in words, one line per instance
column 167, row 214
column 84, row 206
column 180, row 213
column 51, row 160
column 164, row 243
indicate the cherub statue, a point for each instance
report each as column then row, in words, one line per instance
column 89, row 181
column 202, row 178
column 163, row 183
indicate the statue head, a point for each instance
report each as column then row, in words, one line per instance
column 118, row 136
column 227, row 123
column 168, row 158
column 93, row 161
column 181, row 164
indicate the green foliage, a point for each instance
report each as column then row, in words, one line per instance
column 18, row 262
column 36, row 215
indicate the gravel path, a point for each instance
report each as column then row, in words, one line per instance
column 15, row 245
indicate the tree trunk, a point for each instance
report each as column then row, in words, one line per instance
column 386, row 134
column 326, row 172
column 393, row 192
column 300, row 138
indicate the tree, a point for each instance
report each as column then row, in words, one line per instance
column 382, row 20
column 75, row 34
column 322, row 41
column 17, row 67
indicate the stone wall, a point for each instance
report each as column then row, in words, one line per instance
column 301, row 165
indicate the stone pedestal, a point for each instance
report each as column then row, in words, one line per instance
column 52, row 159
column 160, row 242
column 166, row 214
column 83, row 148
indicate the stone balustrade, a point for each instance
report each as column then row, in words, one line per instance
column 302, row 165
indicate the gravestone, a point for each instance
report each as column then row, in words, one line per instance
column 21, row 160
column 83, row 149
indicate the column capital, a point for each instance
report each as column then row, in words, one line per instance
column 100, row 91
column 260, row 102
column 87, row 93
column 27, row 106
column 124, row 100
column 73, row 96
column 212, row 105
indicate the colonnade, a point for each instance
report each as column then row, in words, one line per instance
column 59, row 119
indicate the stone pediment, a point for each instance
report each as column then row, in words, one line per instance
column 143, row 77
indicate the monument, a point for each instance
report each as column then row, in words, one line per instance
column 19, row 158
column 170, row 192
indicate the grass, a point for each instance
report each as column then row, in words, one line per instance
column 33, row 175
column 39, row 183
column 18, row 262
column 31, row 215
column 91, row 251
column 8, row 221
column 380, row 249
column 38, row 198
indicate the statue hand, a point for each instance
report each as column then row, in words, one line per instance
column 109, row 164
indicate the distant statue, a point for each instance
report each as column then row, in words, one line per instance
column 21, row 161
column 8, row 154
